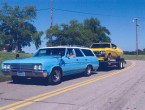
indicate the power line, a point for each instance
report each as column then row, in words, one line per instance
column 87, row 13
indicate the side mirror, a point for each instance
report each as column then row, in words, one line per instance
column 17, row 56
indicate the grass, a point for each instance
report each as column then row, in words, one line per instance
column 7, row 56
column 133, row 57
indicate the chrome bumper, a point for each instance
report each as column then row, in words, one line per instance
column 26, row 74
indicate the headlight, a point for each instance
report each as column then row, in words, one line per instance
column 102, row 52
column 7, row 67
column 37, row 67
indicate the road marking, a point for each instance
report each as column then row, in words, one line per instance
column 41, row 97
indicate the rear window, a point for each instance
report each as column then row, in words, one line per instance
column 100, row 46
column 87, row 52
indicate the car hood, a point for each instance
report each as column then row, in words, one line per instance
column 100, row 49
column 34, row 60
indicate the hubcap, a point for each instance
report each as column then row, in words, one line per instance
column 89, row 71
column 56, row 76
column 121, row 65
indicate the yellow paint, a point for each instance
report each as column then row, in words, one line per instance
column 41, row 97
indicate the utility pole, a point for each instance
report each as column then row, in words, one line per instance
column 51, row 21
column 136, row 21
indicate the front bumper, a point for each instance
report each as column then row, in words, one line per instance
column 26, row 74
column 101, row 58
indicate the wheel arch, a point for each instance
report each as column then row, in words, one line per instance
column 109, row 54
column 57, row 67
column 90, row 66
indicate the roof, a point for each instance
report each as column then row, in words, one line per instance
column 103, row 43
column 65, row 47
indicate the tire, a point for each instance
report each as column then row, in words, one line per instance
column 55, row 77
column 88, row 71
column 120, row 65
column 108, row 59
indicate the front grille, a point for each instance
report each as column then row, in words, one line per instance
column 22, row 67
column 98, row 54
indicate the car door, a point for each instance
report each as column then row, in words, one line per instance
column 81, row 61
column 70, row 62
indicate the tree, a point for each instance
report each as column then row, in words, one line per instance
column 144, row 51
column 16, row 28
column 37, row 39
column 76, row 33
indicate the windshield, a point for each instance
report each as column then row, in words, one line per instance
column 100, row 46
column 50, row 52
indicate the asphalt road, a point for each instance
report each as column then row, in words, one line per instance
column 105, row 90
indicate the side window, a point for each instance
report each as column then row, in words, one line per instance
column 114, row 46
column 70, row 52
column 87, row 52
column 78, row 53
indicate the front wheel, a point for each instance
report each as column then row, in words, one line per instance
column 88, row 71
column 55, row 77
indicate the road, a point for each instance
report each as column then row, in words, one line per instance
column 105, row 90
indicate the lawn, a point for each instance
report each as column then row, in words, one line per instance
column 133, row 57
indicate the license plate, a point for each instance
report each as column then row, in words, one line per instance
column 21, row 73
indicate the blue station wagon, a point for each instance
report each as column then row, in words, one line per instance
column 52, row 63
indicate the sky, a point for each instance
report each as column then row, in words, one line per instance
column 115, row 15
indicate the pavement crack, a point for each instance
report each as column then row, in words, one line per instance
column 11, row 99
column 61, row 103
